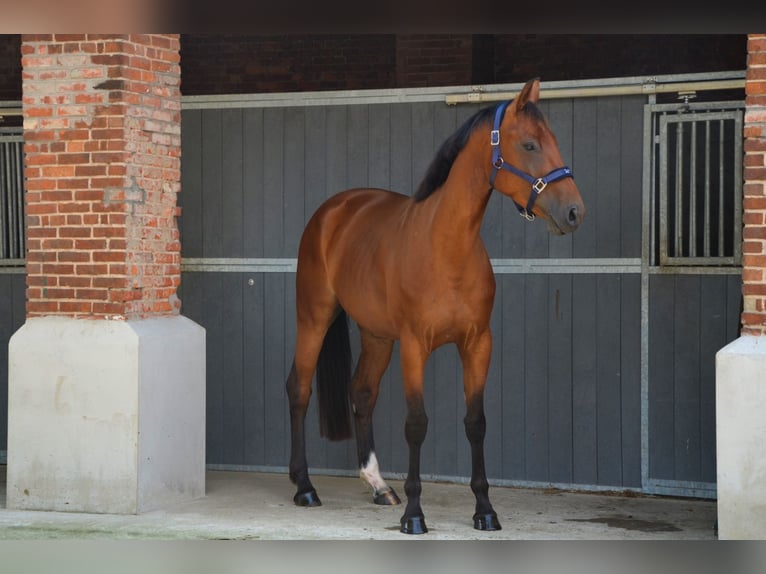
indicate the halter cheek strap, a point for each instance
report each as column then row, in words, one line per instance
column 538, row 183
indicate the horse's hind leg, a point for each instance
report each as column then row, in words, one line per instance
column 373, row 360
column 475, row 359
column 307, row 347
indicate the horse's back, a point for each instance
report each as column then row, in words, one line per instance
column 350, row 246
column 358, row 214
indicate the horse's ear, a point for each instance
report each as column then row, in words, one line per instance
column 529, row 93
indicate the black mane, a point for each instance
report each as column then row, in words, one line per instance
column 440, row 166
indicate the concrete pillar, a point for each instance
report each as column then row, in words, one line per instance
column 741, row 439
column 741, row 365
column 106, row 378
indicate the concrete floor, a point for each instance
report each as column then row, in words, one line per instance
column 258, row 506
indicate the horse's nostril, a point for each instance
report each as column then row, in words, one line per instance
column 573, row 217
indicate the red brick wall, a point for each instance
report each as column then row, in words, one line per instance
column 580, row 56
column 232, row 63
column 754, row 233
column 102, row 146
column 424, row 60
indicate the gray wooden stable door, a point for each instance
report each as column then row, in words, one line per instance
column 573, row 373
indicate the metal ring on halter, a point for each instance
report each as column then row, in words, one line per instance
column 539, row 185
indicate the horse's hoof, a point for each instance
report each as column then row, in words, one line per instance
column 486, row 522
column 308, row 498
column 386, row 498
column 413, row 525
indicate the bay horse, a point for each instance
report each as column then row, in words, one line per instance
column 415, row 269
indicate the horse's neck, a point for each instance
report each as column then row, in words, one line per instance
column 460, row 205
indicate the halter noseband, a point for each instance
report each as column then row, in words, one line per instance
column 538, row 183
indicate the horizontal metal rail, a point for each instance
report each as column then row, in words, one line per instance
column 500, row 266
column 471, row 94
column 650, row 87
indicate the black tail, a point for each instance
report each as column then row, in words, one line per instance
column 333, row 381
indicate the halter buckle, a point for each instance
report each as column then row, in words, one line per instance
column 494, row 137
column 526, row 215
column 539, row 185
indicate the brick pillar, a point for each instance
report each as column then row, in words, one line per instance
column 754, row 232
column 741, row 365
column 103, row 147
column 106, row 378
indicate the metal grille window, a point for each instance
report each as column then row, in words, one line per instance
column 698, row 185
column 12, row 244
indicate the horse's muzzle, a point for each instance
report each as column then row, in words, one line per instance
column 566, row 218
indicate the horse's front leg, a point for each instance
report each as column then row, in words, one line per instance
column 475, row 355
column 373, row 360
column 413, row 361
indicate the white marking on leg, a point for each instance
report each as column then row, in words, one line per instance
column 370, row 473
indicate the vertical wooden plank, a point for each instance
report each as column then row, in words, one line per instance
column 357, row 142
column 687, row 372
column 255, row 383
column 560, row 378
column 190, row 198
column 514, row 362
column 630, row 379
column 585, row 169
column 212, row 212
column 712, row 339
column 631, row 170
column 536, row 377
column 294, row 180
column 253, row 183
column 661, row 376
column 584, row 368
column 212, row 296
column 273, row 182
column 608, row 380
column 232, row 376
column 379, row 146
column 276, row 419
column 315, row 160
column 336, row 135
column 608, row 198
column 232, row 231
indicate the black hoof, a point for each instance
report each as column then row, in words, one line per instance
column 413, row 525
column 308, row 498
column 387, row 498
column 486, row 522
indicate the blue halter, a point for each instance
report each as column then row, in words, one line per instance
column 538, row 183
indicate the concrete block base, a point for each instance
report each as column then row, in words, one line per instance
column 106, row 416
column 741, row 439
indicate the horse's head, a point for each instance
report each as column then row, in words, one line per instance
column 527, row 164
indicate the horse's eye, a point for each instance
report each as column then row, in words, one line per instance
column 530, row 146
